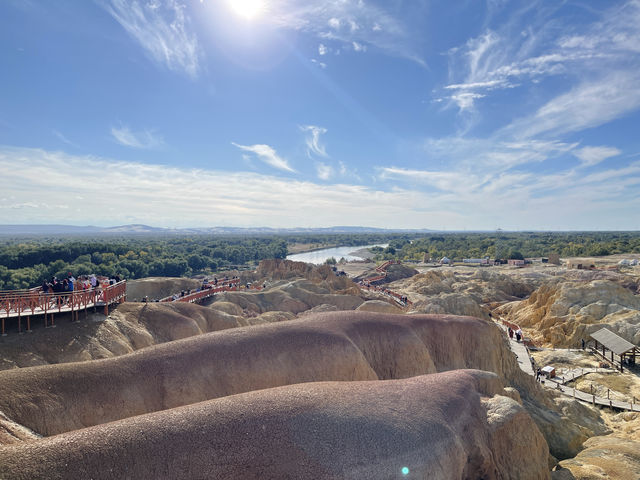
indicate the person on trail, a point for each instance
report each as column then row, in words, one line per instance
column 518, row 336
column 538, row 372
column 510, row 333
column 583, row 343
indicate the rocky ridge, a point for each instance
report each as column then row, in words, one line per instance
column 442, row 426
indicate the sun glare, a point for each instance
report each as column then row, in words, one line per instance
column 248, row 9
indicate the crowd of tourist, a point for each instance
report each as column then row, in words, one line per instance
column 71, row 284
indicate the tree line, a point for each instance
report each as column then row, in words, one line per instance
column 506, row 245
column 26, row 262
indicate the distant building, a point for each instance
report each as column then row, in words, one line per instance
column 554, row 258
column 516, row 262
column 480, row 261
column 445, row 261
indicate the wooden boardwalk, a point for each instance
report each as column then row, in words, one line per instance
column 22, row 305
column 576, row 373
column 522, row 354
column 559, row 384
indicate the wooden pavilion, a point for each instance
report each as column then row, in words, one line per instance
column 607, row 341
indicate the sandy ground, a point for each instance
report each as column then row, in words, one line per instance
column 307, row 247
column 621, row 386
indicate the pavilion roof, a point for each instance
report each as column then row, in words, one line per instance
column 613, row 342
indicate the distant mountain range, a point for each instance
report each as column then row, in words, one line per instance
column 138, row 229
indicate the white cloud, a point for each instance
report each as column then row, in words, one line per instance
column 589, row 104
column 462, row 197
column 448, row 181
column 358, row 47
column 320, row 64
column 491, row 84
column 64, row 139
column 346, row 22
column 324, row 171
column 145, row 139
column 313, row 140
column 465, row 101
column 161, row 195
column 268, row 155
column 161, row 27
column 322, row 49
column 590, row 156
column 527, row 47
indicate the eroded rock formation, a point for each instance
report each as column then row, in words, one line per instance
column 445, row 426
column 344, row 346
column 561, row 313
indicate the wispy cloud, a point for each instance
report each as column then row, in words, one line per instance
column 455, row 198
column 532, row 45
column 590, row 156
column 161, row 27
column 589, row 104
column 268, row 155
column 521, row 199
column 162, row 195
column 359, row 47
column 145, row 139
column 64, row 139
column 353, row 24
column 324, row 171
column 314, row 147
column 320, row 64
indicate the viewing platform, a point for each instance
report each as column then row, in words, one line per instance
column 21, row 305
column 205, row 292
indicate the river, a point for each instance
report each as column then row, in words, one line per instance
column 318, row 257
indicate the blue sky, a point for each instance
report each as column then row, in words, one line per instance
column 282, row 113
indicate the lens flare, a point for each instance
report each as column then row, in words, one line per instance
column 248, row 9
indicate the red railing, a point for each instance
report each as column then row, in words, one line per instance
column 402, row 299
column 205, row 292
column 19, row 303
column 382, row 270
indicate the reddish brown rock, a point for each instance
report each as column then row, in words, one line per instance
column 344, row 346
column 436, row 426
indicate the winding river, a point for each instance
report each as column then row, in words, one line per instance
column 318, row 257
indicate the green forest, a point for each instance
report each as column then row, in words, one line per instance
column 26, row 262
column 506, row 245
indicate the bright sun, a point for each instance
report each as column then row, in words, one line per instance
column 247, row 8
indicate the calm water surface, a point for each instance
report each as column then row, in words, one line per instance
column 320, row 256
